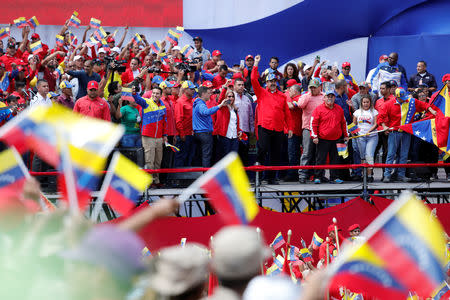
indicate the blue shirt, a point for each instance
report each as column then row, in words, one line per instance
column 83, row 79
column 201, row 116
column 342, row 102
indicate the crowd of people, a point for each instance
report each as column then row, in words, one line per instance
column 196, row 103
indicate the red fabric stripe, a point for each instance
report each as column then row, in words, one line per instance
column 83, row 196
column 400, row 264
column 360, row 284
column 16, row 138
column 118, row 201
column 221, row 202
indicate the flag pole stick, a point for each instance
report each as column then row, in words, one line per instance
column 328, row 262
column 372, row 132
column 258, row 231
column 336, row 234
column 69, row 176
column 106, row 182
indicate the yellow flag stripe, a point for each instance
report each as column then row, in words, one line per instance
column 7, row 160
column 130, row 172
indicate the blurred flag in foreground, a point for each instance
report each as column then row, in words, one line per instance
column 404, row 252
column 228, row 189
column 124, row 183
column 12, row 172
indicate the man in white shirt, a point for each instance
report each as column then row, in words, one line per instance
column 41, row 97
column 246, row 120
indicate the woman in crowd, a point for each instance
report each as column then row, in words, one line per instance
column 130, row 117
column 290, row 72
column 366, row 119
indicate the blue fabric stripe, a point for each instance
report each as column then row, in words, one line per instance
column 233, row 197
column 372, row 272
column 417, row 249
column 86, row 180
column 10, row 176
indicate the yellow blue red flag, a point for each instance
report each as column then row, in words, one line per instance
column 33, row 22
column 12, row 172
column 441, row 103
column 95, row 23
column 20, row 22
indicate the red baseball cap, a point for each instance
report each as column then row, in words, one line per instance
column 110, row 40
column 353, row 227
column 92, row 85
column 35, row 36
column 346, row 64
column 445, row 78
column 216, row 53
column 238, row 75
column 383, row 57
column 207, row 84
column 331, row 228
column 249, row 56
column 290, row 83
column 231, row 83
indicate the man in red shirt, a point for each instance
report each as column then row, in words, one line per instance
column 12, row 54
column 220, row 79
column 183, row 122
column 331, row 245
column 211, row 65
column 294, row 140
column 272, row 117
column 399, row 111
column 92, row 105
column 327, row 126
column 171, row 130
column 385, row 92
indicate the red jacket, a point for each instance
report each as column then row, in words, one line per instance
column 379, row 106
column 218, row 81
column 127, row 76
column 171, row 129
column 183, row 115
column 328, row 124
column 272, row 110
column 223, row 119
column 296, row 117
column 391, row 112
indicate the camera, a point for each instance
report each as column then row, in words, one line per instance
column 118, row 64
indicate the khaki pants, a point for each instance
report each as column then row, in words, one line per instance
column 153, row 150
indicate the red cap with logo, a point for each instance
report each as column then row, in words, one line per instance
column 110, row 40
column 383, row 57
column 353, row 227
column 92, row 85
column 216, row 53
column 331, row 228
column 445, row 78
column 346, row 64
column 249, row 56
column 207, row 84
column 238, row 75
column 290, row 83
column 35, row 36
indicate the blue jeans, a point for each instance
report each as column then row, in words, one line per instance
column 131, row 141
column 356, row 158
column 366, row 147
column 294, row 153
column 184, row 157
column 226, row 145
column 397, row 141
column 205, row 139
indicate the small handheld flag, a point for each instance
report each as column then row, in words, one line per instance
column 127, row 94
column 172, row 37
column 74, row 21
column 187, row 50
column 33, row 22
column 156, row 46
column 292, row 253
column 306, row 255
column 136, row 39
column 172, row 147
column 342, row 149
column 353, row 128
column 20, row 22
column 73, row 39
column 91, row 42
column 99, row 34
column 441, row 103
column 4, row 32
column 228, row 189
column 316, row 241
column 59, row 40
column 95, row 23
column 36, row 47
column 278, row 241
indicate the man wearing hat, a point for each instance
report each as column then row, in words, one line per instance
column 331, row 245
column 272, row 117
column 36, row 38
column 237, row 255
column 309, row 72
column 364, row 90
column 199, row 50
column 66, row 98
column 180, row 272
column 13, row 54
column 308, row 103
column 92, row 105
column 393, row 116
column 327, row 127
column 249, row 62
column 345, row 75
column 211, row 65
column 354, row 231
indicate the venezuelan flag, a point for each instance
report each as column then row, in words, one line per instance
column 353, row 128
column 316, row 241
column 136, row 39
column 278, row 241
column 342, row 149
column 74, row 21
column 36, row 47
column 73, row 39
column 292, row 253
column 187, row 50
column 4, row 32
column 228, row 189
column 279, row 261
column 12, row 174
column 441, row 291
column 172, row 147
column 273, row 270
column 100, row 34
column 127, row 94
column 173, row 37
column 125, row 183
column 33, row 22
column 156, row 46
column 95, row 23
column 59, row 40
column 441, row 103
column 20, row 22
column 306, row 255
column 105, row 45
column 403, row 253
